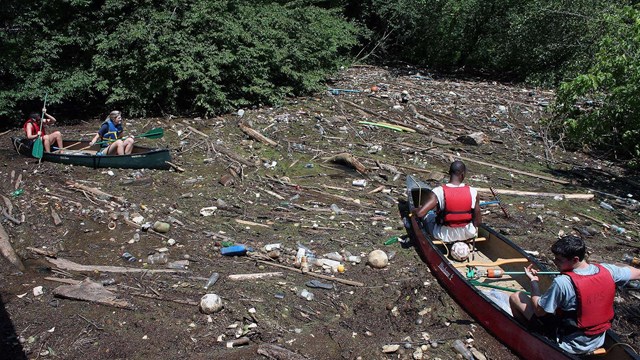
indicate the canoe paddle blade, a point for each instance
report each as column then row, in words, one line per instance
column 38, row 149
column 155, row 133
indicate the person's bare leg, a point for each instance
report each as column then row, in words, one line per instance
column 521, row 306
column 58, row 137
column 46, row 141
column 128, row 146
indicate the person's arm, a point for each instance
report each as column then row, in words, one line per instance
column 535, row 290
column 635, row 273
column 103, row 130
column 477, row 214
column 49, row 119
column 432, row 202
column 30, row 133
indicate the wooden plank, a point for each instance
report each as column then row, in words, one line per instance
column 532, row 193
column 548, row 178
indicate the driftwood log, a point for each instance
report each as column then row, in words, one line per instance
column 7, row 250
column 256, row 135
column 91, row 291
column 346, row 158
column 65, row 264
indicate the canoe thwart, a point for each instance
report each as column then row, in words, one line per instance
column 440, row 242
column 498, row 262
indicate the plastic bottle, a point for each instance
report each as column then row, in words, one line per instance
column 606, row 206
column 459, row 346
column 333, row 256
column 631, row 260
column 353, row 259
column 158, row 258
column 212, row 280
column 304, row 265
column 306, row 294
column 618, row 229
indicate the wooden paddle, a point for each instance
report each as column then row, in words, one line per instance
column 38, row 148
column 498, row 262
column 67, row 147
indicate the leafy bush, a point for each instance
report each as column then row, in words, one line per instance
column 600, row 107
column 194, row 56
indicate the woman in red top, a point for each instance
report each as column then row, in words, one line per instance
column 32, row 130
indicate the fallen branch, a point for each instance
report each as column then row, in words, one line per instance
column 256, row 135
column 44, row 252
column 531, row 193
column 342, row 281
column 419, row 116
column 250, row 223
column 564, row 182
column 174, row 166
column 7, row 250
column 241, row 277
column 98, row 193
column 70, row 265
column 233, row 155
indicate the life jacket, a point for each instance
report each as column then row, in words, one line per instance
column 112, row 134
column 36, row 126
column 594, row 298
column 457, row 210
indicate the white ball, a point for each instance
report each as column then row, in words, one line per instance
column 378, row 259
column 210, row 303
column 460, row 251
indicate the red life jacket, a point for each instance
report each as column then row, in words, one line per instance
column 36, row 126
column 457, row 206
column 594, row 297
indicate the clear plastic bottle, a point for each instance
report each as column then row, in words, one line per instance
column 606, row 206
column 212, row 280
column 334, row 256
column 158, row 258
column 306, row 294
column 459, row 346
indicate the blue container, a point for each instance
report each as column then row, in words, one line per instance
column 235, row 250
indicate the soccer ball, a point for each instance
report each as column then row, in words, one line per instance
column 460, row 251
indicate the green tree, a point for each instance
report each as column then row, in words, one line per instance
column 600, row 107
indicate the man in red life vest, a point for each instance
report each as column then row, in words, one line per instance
column 32, row 130
column 581, row 298
column 457, row 214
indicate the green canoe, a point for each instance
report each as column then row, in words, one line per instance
column 77, row 152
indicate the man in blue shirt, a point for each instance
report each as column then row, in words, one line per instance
column 581, row 299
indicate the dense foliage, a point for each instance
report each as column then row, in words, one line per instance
column 166, row 56
column 211, row 56
column 600, row 107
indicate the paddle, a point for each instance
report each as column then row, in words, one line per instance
column 38, row 148
column 499, row 273
column 155, row 133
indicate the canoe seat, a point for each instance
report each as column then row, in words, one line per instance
column 440, row 242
